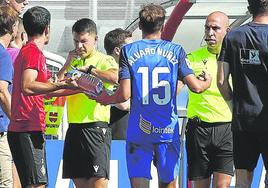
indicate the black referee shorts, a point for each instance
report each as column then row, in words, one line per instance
column 209, row 149
column 86, row 151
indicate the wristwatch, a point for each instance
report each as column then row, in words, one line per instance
column 90, row 69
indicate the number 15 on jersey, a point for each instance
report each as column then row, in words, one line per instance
column 156, row 83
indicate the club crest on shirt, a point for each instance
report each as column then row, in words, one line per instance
column 250, row 57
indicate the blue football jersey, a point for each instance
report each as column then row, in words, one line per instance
column 154, row 67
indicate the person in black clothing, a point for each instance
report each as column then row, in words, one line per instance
column 113, row 42
column 244, row 55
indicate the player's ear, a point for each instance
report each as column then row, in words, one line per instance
column 96, row 40
column 117, row 50
column 47, row 30
column 24, row 37
column 15, row 29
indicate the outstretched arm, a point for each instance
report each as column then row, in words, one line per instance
column 108, row 76
column 32, row 87
column 122, row 94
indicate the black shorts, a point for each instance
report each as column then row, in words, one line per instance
column 209, row 149
column 87, row 151
column 118, row 123
column 247, row 148
column 28, row 152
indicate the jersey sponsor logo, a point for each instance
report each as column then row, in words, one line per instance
column 250, row 57
column 159, row 130
column 145, row 125
column 96, row 167
column 147, row 128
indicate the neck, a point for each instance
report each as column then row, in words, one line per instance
column 214, row 51
column 91, row 53
column 39, row 41
column 5, row 40
column 261, row 19
column 151, row 36
column 116, row 57
column 15, row 44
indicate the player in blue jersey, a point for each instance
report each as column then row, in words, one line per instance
column 149, row 73
column 244, row 56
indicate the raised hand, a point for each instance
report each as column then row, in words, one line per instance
column 72, row 55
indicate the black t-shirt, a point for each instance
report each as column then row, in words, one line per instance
column 246, row 50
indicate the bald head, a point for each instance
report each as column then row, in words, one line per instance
column 216, row 27
column 221, row 16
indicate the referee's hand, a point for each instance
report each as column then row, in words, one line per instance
column 104, row 98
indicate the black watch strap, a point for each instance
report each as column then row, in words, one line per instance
column 90, row 68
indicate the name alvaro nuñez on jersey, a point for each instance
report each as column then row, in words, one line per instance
column 151, row 51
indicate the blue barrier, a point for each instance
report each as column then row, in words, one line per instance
column 118, row 175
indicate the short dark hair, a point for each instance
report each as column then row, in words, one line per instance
column 257, row 7
column 85, row 25
column 35, row 20
column 8, row 17
column 152, row 18
column 115, row 38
